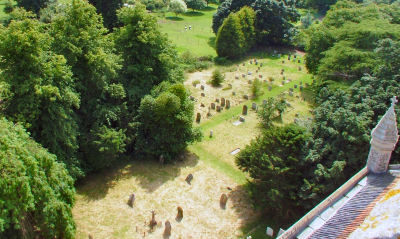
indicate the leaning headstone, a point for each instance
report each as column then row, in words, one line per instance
column 244, row 110
column 269, row 231
column 222, row 200
column 213, row 106
column 253, row 106
column 131, row 200
column 222, row 101
column 188, row 179
column 211, row 133
column 228, row 104
column 246, row 97
column 218, row 108
column 202, row 87
column 198, row 117
column 167, row 230
column 202, row 94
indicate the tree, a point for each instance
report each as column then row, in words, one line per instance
column 148, row 60
column 164, row 124
column 177, row 7
column 108, row 9
column 230, row 39
column 32, row 5
column 36, row 192
column 274, row 18
column 275, row 163
column 195, row 4
column 42, row 94
column 81, row 38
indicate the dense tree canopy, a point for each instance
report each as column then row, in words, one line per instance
column 274, row 18
column 36, row 192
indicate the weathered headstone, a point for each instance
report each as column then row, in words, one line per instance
column 198, row 117
column 202, row 87
column 218, row 108
column 213, row 106
column 246, row 97
column 167, row 230
column 179, row 215
column 222, row 200
column 244, row 110
column 228, row 104
column 189, row 178
column 131, row 200
column 253, row 106
column 222, row 101
column 202, row 94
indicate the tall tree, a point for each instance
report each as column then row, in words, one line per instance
column 42, row 94
column 36, row 192
column 81, row 37
column 108, row 9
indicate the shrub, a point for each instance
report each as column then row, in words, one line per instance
column 217, row 78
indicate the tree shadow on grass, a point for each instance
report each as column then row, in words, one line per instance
column 211, row 42
column 174, row 19
column 149, row 174
column 193, row 14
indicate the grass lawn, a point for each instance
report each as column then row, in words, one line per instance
column 200, row 39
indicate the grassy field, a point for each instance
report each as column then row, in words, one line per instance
column 200, row 39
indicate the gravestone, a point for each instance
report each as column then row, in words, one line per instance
column 202, row 94
column 189, row 178
column 218, row 108
column 222, row 200
column 211, row 133
column 222, row 102
column 179, row 215
column 131, row 200
column 198, row 117
column 228, row 104
column 244, row 110
column 253, row 106
column 167, row 230
column 213, row 106
column 202, row 87
column 246, row 97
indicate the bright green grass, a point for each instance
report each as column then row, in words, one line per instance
column 200, row 39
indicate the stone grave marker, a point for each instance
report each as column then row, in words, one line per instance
column 244, row 110
column 198, row 117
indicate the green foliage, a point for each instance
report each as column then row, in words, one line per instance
column 80, row 36
column 43, row 97
column 275, row 163
column 256, row 88
column 270, row 110
column 164, row 124
column 108, row 9
column 177, row 7
column 230, row 38
column 342, row 46
column 196, row 4
column 273, row 22
column 32, row 5
column 36, row 192
column 217, row 78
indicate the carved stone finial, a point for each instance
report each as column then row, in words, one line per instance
column 383, row 141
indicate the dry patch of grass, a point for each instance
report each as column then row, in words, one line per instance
column 101, row 207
